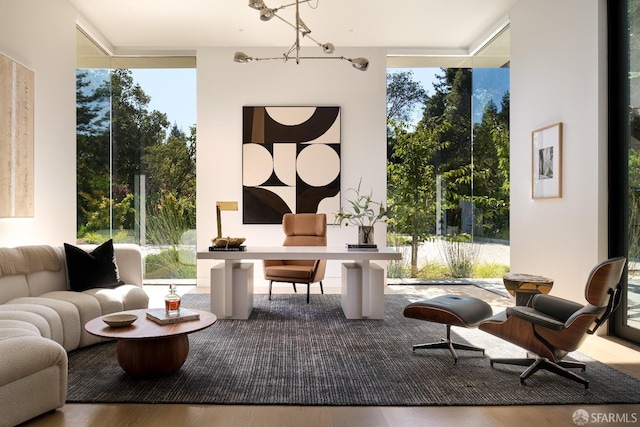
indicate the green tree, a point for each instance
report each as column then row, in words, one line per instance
column 411, row 183
column 171, row 164
column 92, row 167
column 634, row 191
column 451, row 103
column 475, row 171
column 171, row 171
column 491, row 172
column 404, row 95
column 135, row 129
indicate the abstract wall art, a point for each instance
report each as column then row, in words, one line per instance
column 291, row 162
column 16, row 139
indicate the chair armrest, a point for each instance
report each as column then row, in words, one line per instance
column 531, row 315
column 558, row 308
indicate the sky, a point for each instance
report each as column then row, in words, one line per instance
column 172, row 91
column 425, row 76
column 488, row 84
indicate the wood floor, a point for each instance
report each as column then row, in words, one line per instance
column 616, row 353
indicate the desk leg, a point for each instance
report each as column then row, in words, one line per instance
column 228, row 288
column 369, row 290
column 222, row 289
column 366, row 287
column 232, row 290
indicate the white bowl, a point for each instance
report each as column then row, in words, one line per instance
column 119, row 320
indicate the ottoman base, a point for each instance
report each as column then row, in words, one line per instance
column 448, row 344
column 450, row 310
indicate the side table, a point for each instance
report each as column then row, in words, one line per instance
column 525, row 286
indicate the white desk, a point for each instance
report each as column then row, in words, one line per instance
column 361, row 258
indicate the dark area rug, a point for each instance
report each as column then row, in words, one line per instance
column 293, row 353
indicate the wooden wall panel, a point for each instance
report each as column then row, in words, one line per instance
column 16, row 139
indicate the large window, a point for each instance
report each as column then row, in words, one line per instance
column 624, row 156
column 448, row 173
column 136, row 157
column 448, row 163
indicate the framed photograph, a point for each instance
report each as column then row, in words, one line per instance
column 546, row 162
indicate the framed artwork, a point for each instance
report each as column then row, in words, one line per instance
column 546, row 157
column 16, row 139
column 290, row 162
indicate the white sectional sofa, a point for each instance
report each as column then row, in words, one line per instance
column 41, row 319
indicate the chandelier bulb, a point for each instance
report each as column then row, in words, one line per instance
column 360, row 63
column 266, row 14
column 328, row 48
column 256, row 4
column 241, row 57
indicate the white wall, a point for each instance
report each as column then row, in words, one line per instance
column 558, row 74
column 224, row 87
column 41, row 36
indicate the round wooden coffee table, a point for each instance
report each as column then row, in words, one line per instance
column 148, row 349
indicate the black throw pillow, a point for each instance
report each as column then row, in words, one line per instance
column 95, row 269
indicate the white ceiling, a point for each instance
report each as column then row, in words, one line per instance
column 129, row 26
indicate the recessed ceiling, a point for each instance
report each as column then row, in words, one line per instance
column 427, row 25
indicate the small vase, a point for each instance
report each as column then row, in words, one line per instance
column 365, row 234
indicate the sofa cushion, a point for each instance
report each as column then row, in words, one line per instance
column 87, row 308
column 49, row 314
column 40, row 282
column 27, row 259
column 133, row 297
column 39, row 354
column 95, row 269
column 33, row 378
column 13, row 287
column 10, row 328
column 69, row 317
column 125, row 297
column 129, row 262
column 31, row 318
column 109, row 299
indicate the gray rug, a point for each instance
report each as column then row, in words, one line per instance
column 291, row 353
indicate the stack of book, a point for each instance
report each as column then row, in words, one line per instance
column 161, row 316
column 362, row 247
column 227, row 248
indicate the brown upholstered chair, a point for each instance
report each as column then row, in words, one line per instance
column 551, row 327
column 300, row 230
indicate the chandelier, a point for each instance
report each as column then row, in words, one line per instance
column 267, row 13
